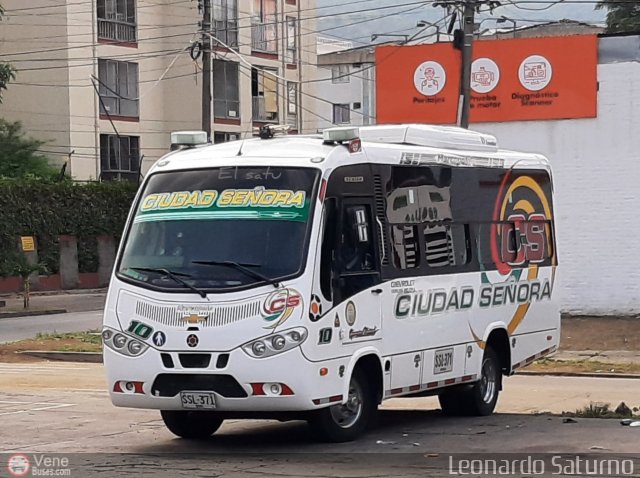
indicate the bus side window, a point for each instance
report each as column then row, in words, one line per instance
column 356, row 249
column 327, row 257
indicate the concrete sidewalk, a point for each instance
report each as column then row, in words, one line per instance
column 42, row 303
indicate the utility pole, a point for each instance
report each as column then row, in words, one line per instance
column 468, row 18
column 206, row 68
column 463, row 41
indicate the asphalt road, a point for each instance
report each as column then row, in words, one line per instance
column 21, row 328
column 63, row 408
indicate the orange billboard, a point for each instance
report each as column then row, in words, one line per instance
column 511, row 80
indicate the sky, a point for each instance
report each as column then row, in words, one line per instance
column 399, row 17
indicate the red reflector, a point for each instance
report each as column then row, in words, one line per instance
column 286, row 390
column 323, row 190
column 138, row 387
column 117, row 388
column 257, row 389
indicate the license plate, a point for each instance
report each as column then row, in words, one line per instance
column 443, row 361
column 198, row 400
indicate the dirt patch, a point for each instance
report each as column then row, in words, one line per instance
column 601, row 333
column 582, row 366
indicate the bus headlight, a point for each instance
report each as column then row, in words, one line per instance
column 259, row 348
column 123, row 343
column 275, row 344
column 135, row 347
column 119, row 341
column 278, row 342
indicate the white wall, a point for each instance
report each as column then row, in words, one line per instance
column 359, row 89
column 596, row 165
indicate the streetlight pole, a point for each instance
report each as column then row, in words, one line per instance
column 424, row 24
column 206, row 68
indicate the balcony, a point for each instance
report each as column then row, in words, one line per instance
column 260, row 113
column 116, row 31
column 264, row 38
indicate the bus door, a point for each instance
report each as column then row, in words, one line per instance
column 357, row 278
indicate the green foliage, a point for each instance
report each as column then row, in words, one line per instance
column 19, row 157
column 17, row 265
column 7, row 72
column 47, row 209
column 621, row 16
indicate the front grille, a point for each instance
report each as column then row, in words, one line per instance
column 215, row 316
column 170, row 384
column 167, row 361
column 195, row 360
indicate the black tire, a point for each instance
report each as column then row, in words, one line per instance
column 452, row 402
column 342, row 423
column 484, row 394
column 195, row 425
column 480, row 399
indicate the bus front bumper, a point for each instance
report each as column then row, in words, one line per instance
column 283, row 383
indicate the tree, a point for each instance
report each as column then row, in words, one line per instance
column 18, row 265
column 7, row 73
column 19, row 156
column 622, row 16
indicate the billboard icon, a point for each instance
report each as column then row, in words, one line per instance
column 535, row 73
column 485, row 75
column 429, row 78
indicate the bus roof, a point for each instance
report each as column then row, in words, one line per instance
column 384, row 144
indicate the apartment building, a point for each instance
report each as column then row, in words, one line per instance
column 347, row 82
column 104, row 82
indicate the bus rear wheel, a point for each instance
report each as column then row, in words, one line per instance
column 346, row 422
column 195, row 425
column 480, row 399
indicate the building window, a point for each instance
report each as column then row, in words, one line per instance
column 292, row 103
column 292, row 34
column 264, row 89
column 340, row 74
column 264, row 37
column 341, row 114
column 117, row 20
column 219, row 137
column 226, row 95
column 119, row 157
column 225, row 21
column 118, row 88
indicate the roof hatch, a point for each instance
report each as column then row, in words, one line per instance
column 446, row 137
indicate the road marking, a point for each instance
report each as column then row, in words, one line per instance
column 49, row 406
column 17, row 366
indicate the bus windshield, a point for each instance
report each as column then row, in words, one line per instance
column 220, row 228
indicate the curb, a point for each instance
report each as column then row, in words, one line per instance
column 31, row 313
column 49, row 293
column 85, row 357
column 581, row 374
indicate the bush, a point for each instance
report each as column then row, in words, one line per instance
column 47, row 209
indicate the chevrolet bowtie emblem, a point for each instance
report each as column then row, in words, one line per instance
column 195, row 318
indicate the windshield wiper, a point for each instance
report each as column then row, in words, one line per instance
column 242, row 267
column 174, row 276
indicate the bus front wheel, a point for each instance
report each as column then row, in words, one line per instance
column 346, row 422
column 191, row 424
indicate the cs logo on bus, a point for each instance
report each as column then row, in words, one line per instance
column 279, row 306
column 521, row 230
